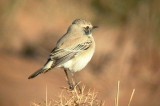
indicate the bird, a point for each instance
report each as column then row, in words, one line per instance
column 72, row 52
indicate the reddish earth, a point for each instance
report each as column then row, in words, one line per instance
column 17, row 90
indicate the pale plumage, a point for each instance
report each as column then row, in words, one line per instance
column 73, row 51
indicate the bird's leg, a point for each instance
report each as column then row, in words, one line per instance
column 70, row 76
column 69, row 79
column 77, row 84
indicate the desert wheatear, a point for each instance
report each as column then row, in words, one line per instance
column 73, row 50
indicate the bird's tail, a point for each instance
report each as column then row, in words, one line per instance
column 45, row 69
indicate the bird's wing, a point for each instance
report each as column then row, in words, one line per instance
column 69, row 51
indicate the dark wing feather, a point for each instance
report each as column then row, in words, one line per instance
column 65, row 58
column 61, row 56
column 83, row 46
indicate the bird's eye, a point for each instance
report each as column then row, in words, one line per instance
column 87, row 27
column 87, row 30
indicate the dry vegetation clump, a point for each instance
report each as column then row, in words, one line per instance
column 79, row 97
column 73, row 98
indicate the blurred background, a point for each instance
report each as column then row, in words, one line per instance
column 127, row 49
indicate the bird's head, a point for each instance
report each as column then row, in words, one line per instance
column 83, row 26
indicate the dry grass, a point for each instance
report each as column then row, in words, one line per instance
column 75, row 98
column 118, row 95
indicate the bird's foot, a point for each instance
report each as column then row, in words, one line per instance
column 78, row 87
column 75, row 87
column 71, row 86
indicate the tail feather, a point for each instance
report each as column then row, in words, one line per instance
column 45, row 69
column 37, row 73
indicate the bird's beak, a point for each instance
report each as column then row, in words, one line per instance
column 95, row 27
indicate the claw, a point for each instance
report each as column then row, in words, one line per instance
column 71, row 87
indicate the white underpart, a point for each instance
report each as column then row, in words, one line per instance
column 77, row 63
